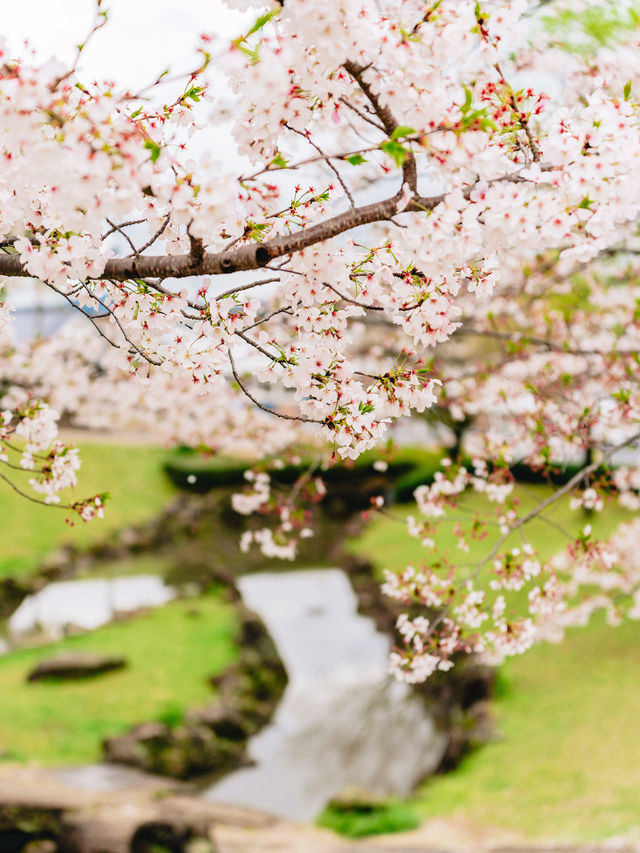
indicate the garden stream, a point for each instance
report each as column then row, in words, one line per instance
column 86, row 604
column 342, row 721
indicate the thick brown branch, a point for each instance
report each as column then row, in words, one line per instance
column 256, row 255
column 384, row 113
column 409, row 169
column 248, row 257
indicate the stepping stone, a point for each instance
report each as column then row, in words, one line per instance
column 72, row 666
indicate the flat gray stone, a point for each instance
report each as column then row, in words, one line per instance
column 72, row 666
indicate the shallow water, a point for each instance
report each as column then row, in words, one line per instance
column 342, row 721
column 85, row 604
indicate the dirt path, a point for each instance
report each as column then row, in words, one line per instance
column 435, row 836
column 93, row 822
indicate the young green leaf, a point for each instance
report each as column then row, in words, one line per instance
column 402, row 131
column 262, row 21
column 468, row 100
column 395, row 150
column 154, row 148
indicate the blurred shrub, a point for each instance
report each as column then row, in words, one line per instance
column 359, row 816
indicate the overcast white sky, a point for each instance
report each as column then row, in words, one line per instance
column 142, row 38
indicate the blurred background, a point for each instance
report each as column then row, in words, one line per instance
column 147, row 646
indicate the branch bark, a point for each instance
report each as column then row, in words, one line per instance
column 257, row 255
column 409, row 169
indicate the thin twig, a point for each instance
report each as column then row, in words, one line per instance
column 327, row 161
column 242, row 287
column 360, row 113
column 547, row 502
column 91, row 317
column 158, row 233
column 264, row 408
column 119, row 229
column 31, row 498
column 115, row 228
column 267, row 317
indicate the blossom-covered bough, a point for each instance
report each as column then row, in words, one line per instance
column 437, row 204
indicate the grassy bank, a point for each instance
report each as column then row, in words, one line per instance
column 566, row 763
column 171, row 652
column 386, row 543
column 132, row 475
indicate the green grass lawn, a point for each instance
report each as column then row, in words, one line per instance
column 133, row 476
column 386, row 543
column 171, row 652
column 567, row 761
column 567, row 764
column 153, row 563
column 379, row 819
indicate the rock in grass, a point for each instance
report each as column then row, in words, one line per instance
column 354, row 799
column 78, row 665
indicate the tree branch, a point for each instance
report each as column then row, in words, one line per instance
column 255, row 256
column 30, row 497
column 568, row 487
column 260, row 405
column 409, row 169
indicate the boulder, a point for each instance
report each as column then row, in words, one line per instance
column 41, row 845
column 182, row 752
column 39, row 814
column 136, row 745
column 12, row 592
column 78, row 665
column 354, row 799
column 225, row 720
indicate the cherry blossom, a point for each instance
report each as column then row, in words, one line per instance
column 436, row 211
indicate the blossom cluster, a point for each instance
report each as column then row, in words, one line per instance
column 418, row 227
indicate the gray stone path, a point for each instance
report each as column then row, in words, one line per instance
column 437, row 837
column 105, row 821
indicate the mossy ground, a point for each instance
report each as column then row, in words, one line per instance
column 171, row 653
column 393, row 816
column 567, row 760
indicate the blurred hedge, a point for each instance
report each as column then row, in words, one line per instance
column 408, row 468
column 191, row 471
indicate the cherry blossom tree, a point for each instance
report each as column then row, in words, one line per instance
column 437, row 204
